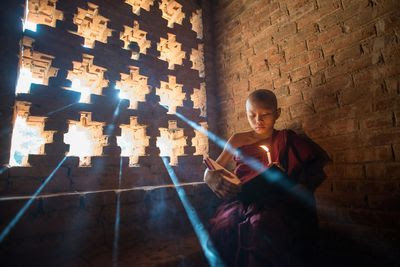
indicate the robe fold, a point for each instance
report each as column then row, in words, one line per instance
column 275, row 228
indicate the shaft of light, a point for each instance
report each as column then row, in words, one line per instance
column 21, row 212
column 117, row 218
column 208, row 248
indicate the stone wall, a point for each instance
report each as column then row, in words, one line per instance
column 106, row 205
column 334, row 66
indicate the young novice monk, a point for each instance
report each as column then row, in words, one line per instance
column 276, row 227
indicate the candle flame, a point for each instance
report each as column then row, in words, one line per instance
column 265, row 148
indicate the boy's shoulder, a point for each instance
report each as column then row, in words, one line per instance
column 240, row 138
column 287, row 134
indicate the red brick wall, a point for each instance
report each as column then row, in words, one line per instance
column 334, row 66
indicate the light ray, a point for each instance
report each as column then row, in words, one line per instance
column 209, row 250
column 117, row 219
column 21, row 212
column 62, row 108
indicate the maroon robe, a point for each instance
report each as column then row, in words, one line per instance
column 274, row 229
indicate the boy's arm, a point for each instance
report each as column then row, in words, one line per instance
column 214, row 179
column 226, row 154
column 312, row 158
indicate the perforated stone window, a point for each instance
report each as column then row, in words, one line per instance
column 137, row 36
column 171, row 94
column 28, row 136
column 197, row 23
column 197, row 58
column 91, row 25
column 199, row 99
column 200, row 141
column 139, row 4
column 171, row 142
column 35, row 67
column 133, row 141
column 41, row 12
column 172, row 12
column 87, row 78
column 85, row 138
column 133, row 87
column 171, row 51
column 149, row 30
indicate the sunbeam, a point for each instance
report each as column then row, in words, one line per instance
column 21, row 212
column 60, row 109
column 4, row 168
column 117, row 219
column 111, row 126
column 208, row 248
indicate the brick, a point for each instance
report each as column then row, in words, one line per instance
column 326, row 102
column 290, row 100
column 284, row 31
column 293, row 49
column 323, row 38
column 396, row 151
column 378, row 187
column 315, row 67
column 348, row 39
column 350, row 171
column 300, row 73
column 301, row 60
column 301, row 109
column 384, row 203
column 299, row 86
column 378, row 120
column 352, row 66
column 346, row 186
column 343, row 126
column 368, row 154
column 285, row 80
column 347, row 53
column 342, row 200
column 298, row 8
column 324, row 9
column 275, row 59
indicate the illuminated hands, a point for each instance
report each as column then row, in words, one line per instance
column 218, row 181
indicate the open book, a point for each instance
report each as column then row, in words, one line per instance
column 214, row 166
column 258, row 185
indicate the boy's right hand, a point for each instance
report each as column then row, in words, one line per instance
column 220, row 186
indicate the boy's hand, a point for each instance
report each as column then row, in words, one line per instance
column 222, row 188
column 277, row 165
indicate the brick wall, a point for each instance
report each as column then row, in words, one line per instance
column 334, row 66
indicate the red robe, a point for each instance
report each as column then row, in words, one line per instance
column 274, row 229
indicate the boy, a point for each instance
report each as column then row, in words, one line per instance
column 275, row 227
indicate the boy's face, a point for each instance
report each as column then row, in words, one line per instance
column 261, row 118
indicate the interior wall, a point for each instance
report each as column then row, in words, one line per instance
column 109, row 211
column 334, row 66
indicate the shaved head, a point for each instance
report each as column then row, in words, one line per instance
column 263, row 98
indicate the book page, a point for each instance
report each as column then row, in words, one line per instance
column 213, row 165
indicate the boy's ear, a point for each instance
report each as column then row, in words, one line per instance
column 278, row 112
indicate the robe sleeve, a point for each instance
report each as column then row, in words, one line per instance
column 306, row 161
